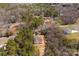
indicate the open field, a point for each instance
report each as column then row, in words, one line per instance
column 73, row 36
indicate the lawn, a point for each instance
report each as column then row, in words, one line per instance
column 73, row 36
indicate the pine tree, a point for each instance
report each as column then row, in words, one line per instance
column 22, row 45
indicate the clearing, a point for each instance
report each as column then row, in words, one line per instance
column 73, row 36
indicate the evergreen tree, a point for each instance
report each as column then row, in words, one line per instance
column 22, row 45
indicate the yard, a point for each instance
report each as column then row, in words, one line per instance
column 73, row 36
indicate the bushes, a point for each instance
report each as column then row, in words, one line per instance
column 47, row 10
column 55, row 39
column 58, row 45
column 22, row 45
column 36, row 21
